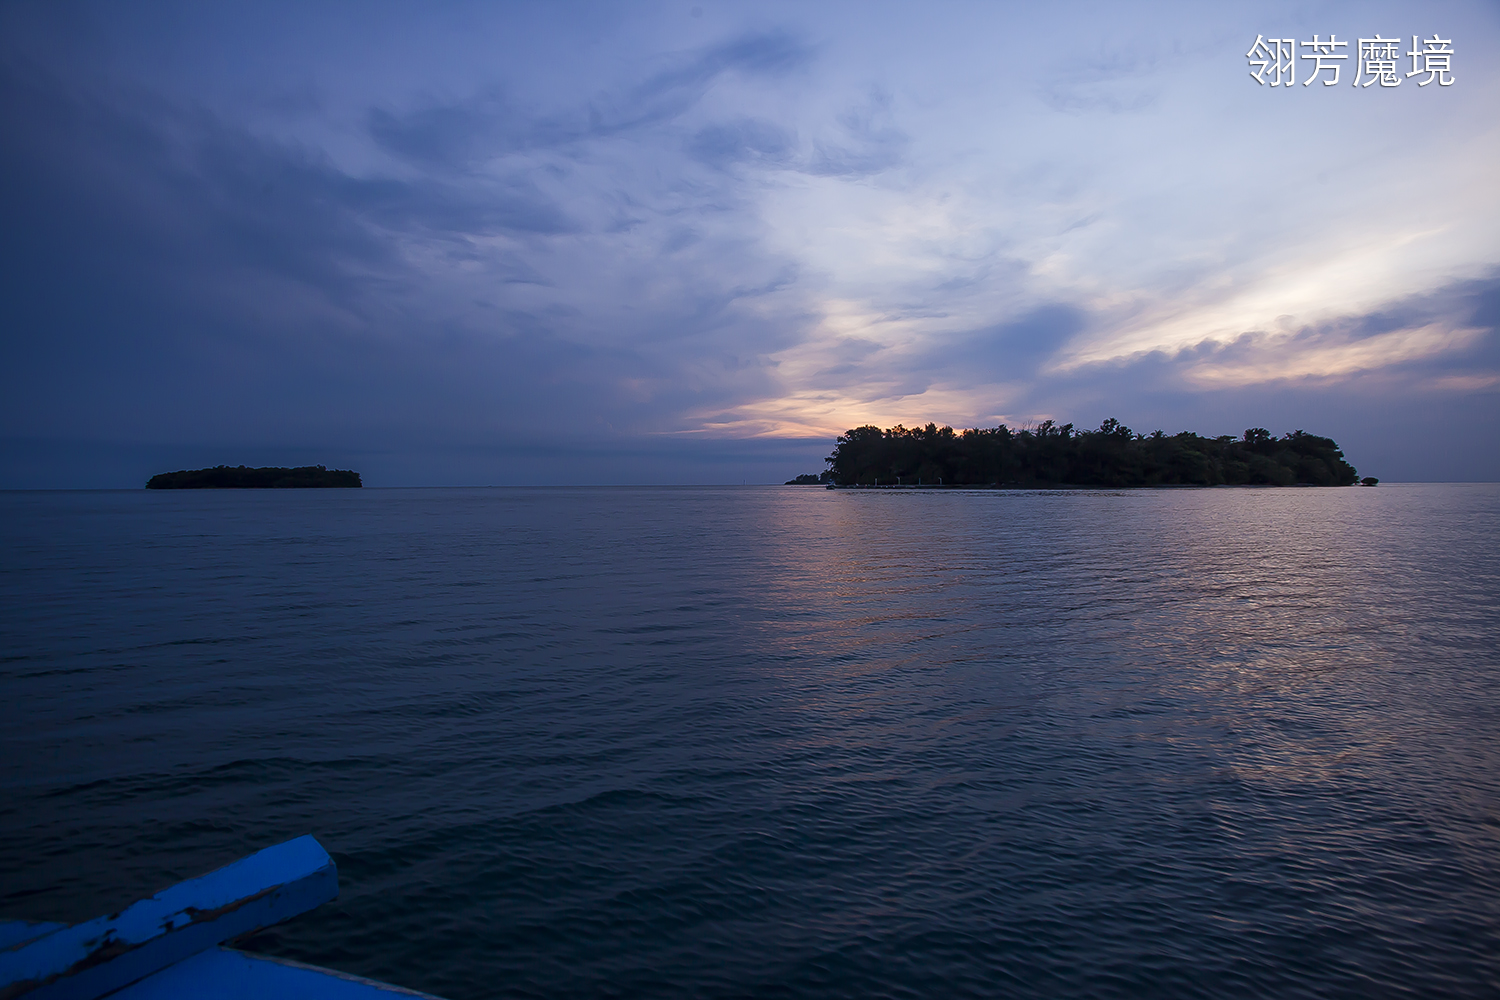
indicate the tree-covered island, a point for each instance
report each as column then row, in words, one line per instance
column 222, row 477
column 1052, row 455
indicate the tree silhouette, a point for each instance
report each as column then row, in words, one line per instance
column 243, row 477
column 1112, row 455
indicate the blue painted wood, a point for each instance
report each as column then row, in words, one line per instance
column 90, row 959
column 226, row 974
column 14, row 933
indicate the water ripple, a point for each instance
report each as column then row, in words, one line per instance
column 776, row 742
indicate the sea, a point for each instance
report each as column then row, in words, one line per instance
column 778, row 742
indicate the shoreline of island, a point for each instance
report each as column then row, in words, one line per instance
column 243, row 477
column 1052, row 456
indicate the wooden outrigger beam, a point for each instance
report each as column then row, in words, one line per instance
column 183, row 924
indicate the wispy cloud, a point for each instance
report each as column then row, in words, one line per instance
column 467, row 133
column 794, row 222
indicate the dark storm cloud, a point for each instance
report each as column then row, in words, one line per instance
column 159, row 259
column 178, row 192
column 177, row 278
column 89, row 182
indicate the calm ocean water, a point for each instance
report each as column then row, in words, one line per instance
column 779, row 742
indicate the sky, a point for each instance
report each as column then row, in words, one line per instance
column 677, row 243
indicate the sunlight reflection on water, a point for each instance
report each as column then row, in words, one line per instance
column 780, row 741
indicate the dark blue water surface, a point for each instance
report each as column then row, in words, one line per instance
column 779, row 742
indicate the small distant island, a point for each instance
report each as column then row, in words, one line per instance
column 240, row 477
column 1052, row 455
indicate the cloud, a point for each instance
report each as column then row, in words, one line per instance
column 176, row 265
column 460, row 134
column 658, row 233
column 771, row 53
column 464, row 134
column 1016, row 348
column 1414, row 347
column 867, row 141
column 513, row 204
column 1415, row 336
column 1114, row 81
column 1324, row 354
column 744, row 140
